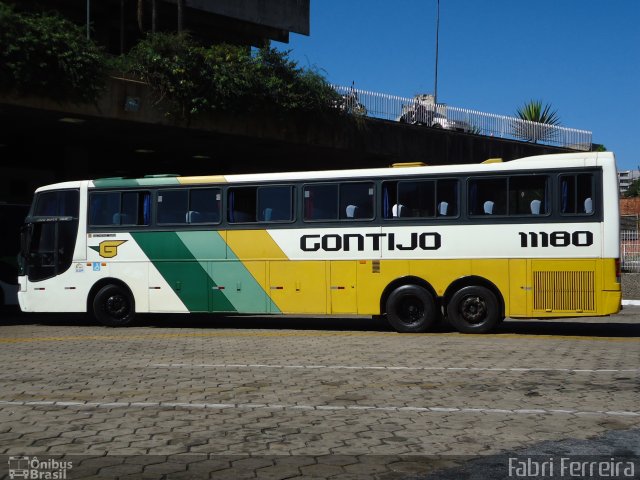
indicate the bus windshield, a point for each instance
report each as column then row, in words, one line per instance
column 49, row 236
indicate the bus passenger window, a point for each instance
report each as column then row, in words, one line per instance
column 103, row 207
column 528, row 195
column 576, row 194
column 417, row 199
column 420, row 198
column 275, row 203
column 356, row 200
column 321, row 202
column 129, row 209
column 204, row 205
column 447, row 198
column 109, row 209
column 241, row 205
column 172, row 206
column 487, row 196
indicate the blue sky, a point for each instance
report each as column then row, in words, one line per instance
column 582, row 56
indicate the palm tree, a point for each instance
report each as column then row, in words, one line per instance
column 536, row 122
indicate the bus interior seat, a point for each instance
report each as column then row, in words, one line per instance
column 267, row 214
column 352, row 211
column 488, row 207
column 443, row 207
column 588, row 205
column 193, row 216
column 397, row 210
column 535, row 207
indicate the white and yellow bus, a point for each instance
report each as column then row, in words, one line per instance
column 530, row 238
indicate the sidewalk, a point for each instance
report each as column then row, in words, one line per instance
column 631, row 288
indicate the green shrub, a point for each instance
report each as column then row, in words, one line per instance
column 189, row 79
column 49, row 56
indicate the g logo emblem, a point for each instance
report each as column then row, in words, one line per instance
column 108, row 248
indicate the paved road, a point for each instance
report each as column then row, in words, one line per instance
column 201, row 397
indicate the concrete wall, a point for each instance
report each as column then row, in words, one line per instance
column 290, row 15
column 109, row 140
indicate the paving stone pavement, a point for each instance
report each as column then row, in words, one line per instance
column 198, row 397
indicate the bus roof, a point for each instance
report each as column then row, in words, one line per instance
column 564, row 160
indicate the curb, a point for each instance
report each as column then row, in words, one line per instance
column 631, row 302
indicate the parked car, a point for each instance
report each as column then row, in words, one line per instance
column 424, row 113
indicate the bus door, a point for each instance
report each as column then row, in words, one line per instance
column 520, row 288
column 237, row 286
column 298, row 286
column 343, row 286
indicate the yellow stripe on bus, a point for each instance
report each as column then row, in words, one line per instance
column 202, row 179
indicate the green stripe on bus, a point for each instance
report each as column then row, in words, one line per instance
column 135, row 182
column 240, row 287
column 183, row 272
column 205, row 274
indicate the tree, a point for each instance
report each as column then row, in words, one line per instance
column 536, row 122
column 140, row 15
column 180, row 4
column 633, row 190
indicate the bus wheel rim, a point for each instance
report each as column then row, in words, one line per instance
column 411, row 310
column 473, row 309
column 116, row 306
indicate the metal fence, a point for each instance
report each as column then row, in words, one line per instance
column 417, row 110
column 630, row 251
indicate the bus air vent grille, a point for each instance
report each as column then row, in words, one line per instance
column 564, row 291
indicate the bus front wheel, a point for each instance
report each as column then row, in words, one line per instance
column 113, row 306
column 411, row 309
column 474, row 309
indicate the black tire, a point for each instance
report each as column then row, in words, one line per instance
column 411, row 309
column 436, row 125
column 114, row 306
column 474, row 310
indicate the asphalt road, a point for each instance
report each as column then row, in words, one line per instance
column 283, row 397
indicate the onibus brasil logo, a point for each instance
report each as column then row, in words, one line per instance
column 27, row 467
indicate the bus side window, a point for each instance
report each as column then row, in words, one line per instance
column 204, row 205
column 417, row 199
column 487, row 196
column 528, row 195
column 576, row 194
column 275, row 203
column 103, row 206
column 129, row 209
column 356, row 200
column 321, row 202
column 241, row 205
column 420, row 198
column 172, row 206
column 108, row 209
column 447, row 198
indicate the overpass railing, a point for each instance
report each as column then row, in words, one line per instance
column 417, row 111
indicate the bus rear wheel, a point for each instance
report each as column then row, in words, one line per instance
column 113, row 306
column 474, row 309
column 411, row 309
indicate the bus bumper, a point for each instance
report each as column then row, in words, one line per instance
column 611, row 301
column 22, row 294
